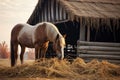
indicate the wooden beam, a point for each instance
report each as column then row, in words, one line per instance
column 49, row 10
column 61, row 13
column 45, row 11
column 98, row 48
column 82, row 30
column 105, row 44
column 63, row 21
column 58, row 2
column 98, row 52
column 110, row 57
column 88, row 33
column 54, row 10
column 64, row 14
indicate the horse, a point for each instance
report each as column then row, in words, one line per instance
column 38, row 37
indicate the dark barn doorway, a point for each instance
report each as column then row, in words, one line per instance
column 71, row 29
column 105, row 34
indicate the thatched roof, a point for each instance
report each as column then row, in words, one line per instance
column 93, row 13
column 93, row 8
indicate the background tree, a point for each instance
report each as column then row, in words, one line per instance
column 31, row 54
column 4, row 51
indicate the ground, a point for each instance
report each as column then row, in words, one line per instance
column 54, row 69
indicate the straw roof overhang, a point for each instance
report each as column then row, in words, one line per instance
column 94, row 12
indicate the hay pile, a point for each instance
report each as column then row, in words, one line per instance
column 52, row 68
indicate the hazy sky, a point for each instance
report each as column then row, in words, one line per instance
column 13, row 12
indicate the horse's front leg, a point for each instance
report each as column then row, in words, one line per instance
column 22, row 53
column 37, row 50
column 44, row 49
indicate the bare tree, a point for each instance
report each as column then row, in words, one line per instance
column 4, row 51
column 31, row 54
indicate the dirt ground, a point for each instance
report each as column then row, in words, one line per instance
column 54, row 69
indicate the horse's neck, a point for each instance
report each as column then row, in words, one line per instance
column 51, row 33
column 52, row 38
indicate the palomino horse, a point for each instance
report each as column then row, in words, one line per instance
column 37, row 37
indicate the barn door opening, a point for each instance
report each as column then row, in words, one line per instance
column 71, row 30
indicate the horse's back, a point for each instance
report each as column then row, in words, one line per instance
column 15, row 31
column 25, row 36
column 22, row 34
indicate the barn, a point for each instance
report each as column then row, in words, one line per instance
column 92, row 27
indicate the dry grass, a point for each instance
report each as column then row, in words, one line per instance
column 54, row 68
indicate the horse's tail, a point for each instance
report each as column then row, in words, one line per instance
column 12, row 54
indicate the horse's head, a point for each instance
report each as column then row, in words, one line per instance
column 59, row 45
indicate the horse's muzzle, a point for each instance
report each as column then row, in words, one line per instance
column 60, row 56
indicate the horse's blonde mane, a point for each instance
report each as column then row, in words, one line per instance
column 62, row 41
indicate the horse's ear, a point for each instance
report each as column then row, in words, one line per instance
column 44, row 24
column 64, row 35
column 57, row 37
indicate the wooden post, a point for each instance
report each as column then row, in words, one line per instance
column 58, row 2
column 57, row 11
column 45, row 12
column 54, row 12
column 49, row 11
column 88, row 33
column 105, row 44
column 82, row 31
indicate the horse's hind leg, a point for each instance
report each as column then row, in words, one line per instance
column 22, row 53
column 15, row 52
column 14, row 47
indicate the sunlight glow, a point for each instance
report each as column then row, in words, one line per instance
column 13, row 12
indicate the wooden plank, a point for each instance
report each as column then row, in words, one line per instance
column 98, row 48
column 45, row 12
column 64, row 14
column 41, row 15
column 110, row 57
column 58, row 10
column 98, row 44
column 48, row 10
column 82, row 31
column 88, row 33
column 54, row 5
column 51, row 10
column 40, row 18
column 98, row 52
column 61, row 13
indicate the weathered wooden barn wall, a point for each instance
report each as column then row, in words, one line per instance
column 99, row 50
column 48, row 10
